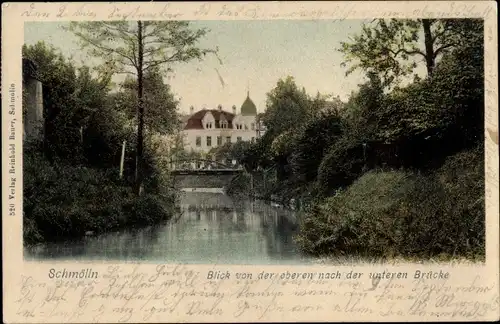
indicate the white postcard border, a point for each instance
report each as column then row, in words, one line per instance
column 16, row 270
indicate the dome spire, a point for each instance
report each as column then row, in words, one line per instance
column 248, row 108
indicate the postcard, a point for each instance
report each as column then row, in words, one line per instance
column 172, row 162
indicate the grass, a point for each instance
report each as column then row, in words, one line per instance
column 374, row 261
column 403, row 215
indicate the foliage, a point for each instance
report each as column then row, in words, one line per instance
column 419, row 125
column 140, row 48
column 116, row 42
column 360, row 116
column 341, row 165
column 71, row 182
column 177, row 142
column 287, row 107
column 188, row 155
column 345, row 157
column 230, row 151
column 63, row 201
column 344, row 162
column 257, row 155
column 311, row 144
column 390, row 47
column 282, row 145
column 72, row 101
column 336, row 225
column 160, row 106
column 157, row 171
column 239, row 185
column 399, row 213
column 433, row 118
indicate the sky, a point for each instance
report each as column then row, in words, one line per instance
column 254, row 54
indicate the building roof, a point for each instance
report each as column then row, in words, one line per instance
column 195, row 121
column 248, row 108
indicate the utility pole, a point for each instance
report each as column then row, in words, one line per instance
column 122, row 160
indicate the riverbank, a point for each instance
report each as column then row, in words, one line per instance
column 63, row 202
column 404, row 214
column 254, row 186
column 212, row 228
column 390, row 214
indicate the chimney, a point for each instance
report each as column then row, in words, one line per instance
column 234, row 109
column 220, row 107
column 191, row 110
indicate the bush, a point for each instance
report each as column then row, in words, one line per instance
column 65, row 201
column 463, row 180
column 356, row 220
column 342, row 164
column 403, row 214
column 71, row 182
column 311, row 143
column 148, row 209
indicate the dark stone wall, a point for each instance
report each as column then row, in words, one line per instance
column 32, row 102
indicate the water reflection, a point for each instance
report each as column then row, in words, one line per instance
column 212, row 228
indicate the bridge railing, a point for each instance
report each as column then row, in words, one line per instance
column 204, row 165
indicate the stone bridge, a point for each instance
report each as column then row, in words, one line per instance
column 197, row 173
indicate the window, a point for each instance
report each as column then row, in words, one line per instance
column 198, row 140
column 223, row 124
column 209, row 140
column 208, row 125
column 253, row 126
column 228, row 139
column 219, row 140
column 238, row 138
column 246, row 127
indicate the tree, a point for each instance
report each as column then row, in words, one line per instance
column 71, row 98
column 390, row 48
column 258, row 155
column 231, row 151
column 430, row 119
column 287, row 107
column 136, row 48
column 313, row 141
column 159, row 102
column 362, row 111
column 177, row 150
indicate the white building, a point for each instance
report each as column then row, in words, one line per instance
column 209, row 128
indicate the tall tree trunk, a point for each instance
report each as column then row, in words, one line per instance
column 140, row 110
column 429, row 46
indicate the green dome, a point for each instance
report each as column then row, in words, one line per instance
column 248, row 108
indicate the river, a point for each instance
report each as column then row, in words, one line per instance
column 212, row 228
